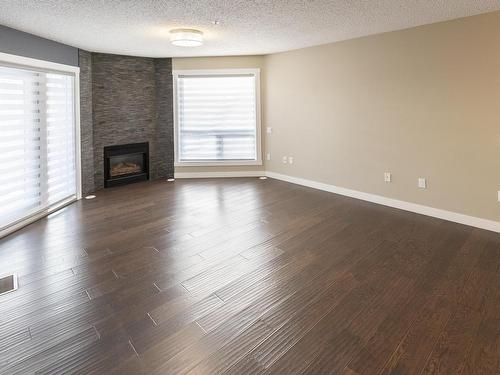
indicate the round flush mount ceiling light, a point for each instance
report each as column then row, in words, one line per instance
column 186, row 37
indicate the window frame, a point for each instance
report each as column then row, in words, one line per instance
column 218, row 72
column 22, row 62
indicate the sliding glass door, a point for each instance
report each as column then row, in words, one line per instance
column 37, row 142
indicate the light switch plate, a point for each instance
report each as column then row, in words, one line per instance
column 387, row 177
column 422, row 183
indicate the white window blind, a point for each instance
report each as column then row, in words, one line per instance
column 37, row 142
column 216, row 117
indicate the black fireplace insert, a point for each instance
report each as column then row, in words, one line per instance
column 124, row 164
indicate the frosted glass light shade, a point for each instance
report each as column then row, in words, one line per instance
column 186, row 37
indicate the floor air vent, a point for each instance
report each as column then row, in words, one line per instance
column 8, row 284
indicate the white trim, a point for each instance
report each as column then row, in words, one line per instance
column 225, row 163
column 219, row 174
column 477, row 222
column 78, row 146
column 35, row 63
column 216, row 72
column 258, row 132
column 175, row 114
column 36, row 216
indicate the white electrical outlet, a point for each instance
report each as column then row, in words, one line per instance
column 499, row 195
column 269, row 130
column 387, row 177
column 285, row 160
column 290, row 160
column 268, row 156
column 422, row 183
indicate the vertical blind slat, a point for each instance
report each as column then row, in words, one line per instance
column 37, row 141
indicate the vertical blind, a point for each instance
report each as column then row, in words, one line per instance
column 37, row 142
column 217, row 117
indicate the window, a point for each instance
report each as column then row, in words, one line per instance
column 217, row 117
column 37, row 142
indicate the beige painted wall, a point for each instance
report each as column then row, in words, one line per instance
column 418, row 102
column 231, row 62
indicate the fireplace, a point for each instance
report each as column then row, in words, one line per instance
column 124, row 164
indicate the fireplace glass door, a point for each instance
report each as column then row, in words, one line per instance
column 123, row 165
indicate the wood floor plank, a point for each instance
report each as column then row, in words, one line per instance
column 46, row 352
column 10, row 340
column 169, row 346
column 484, row 356
column 310, row 346
column 455, row 343
column 381, row 345
column 297, row 318
column 247, row 276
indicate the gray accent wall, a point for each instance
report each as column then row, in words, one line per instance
column 20, row 43
column 164, row 118
column 131, row 102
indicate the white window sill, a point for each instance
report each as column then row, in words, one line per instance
column 217, row 163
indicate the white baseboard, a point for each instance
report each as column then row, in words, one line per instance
column 219, row 174
column 407, row 206
column 395, row 203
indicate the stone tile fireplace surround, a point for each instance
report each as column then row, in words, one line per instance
column 124, row 100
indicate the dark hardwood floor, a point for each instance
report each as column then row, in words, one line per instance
column 245, row 276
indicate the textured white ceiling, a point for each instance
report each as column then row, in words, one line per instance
column 141, row 27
